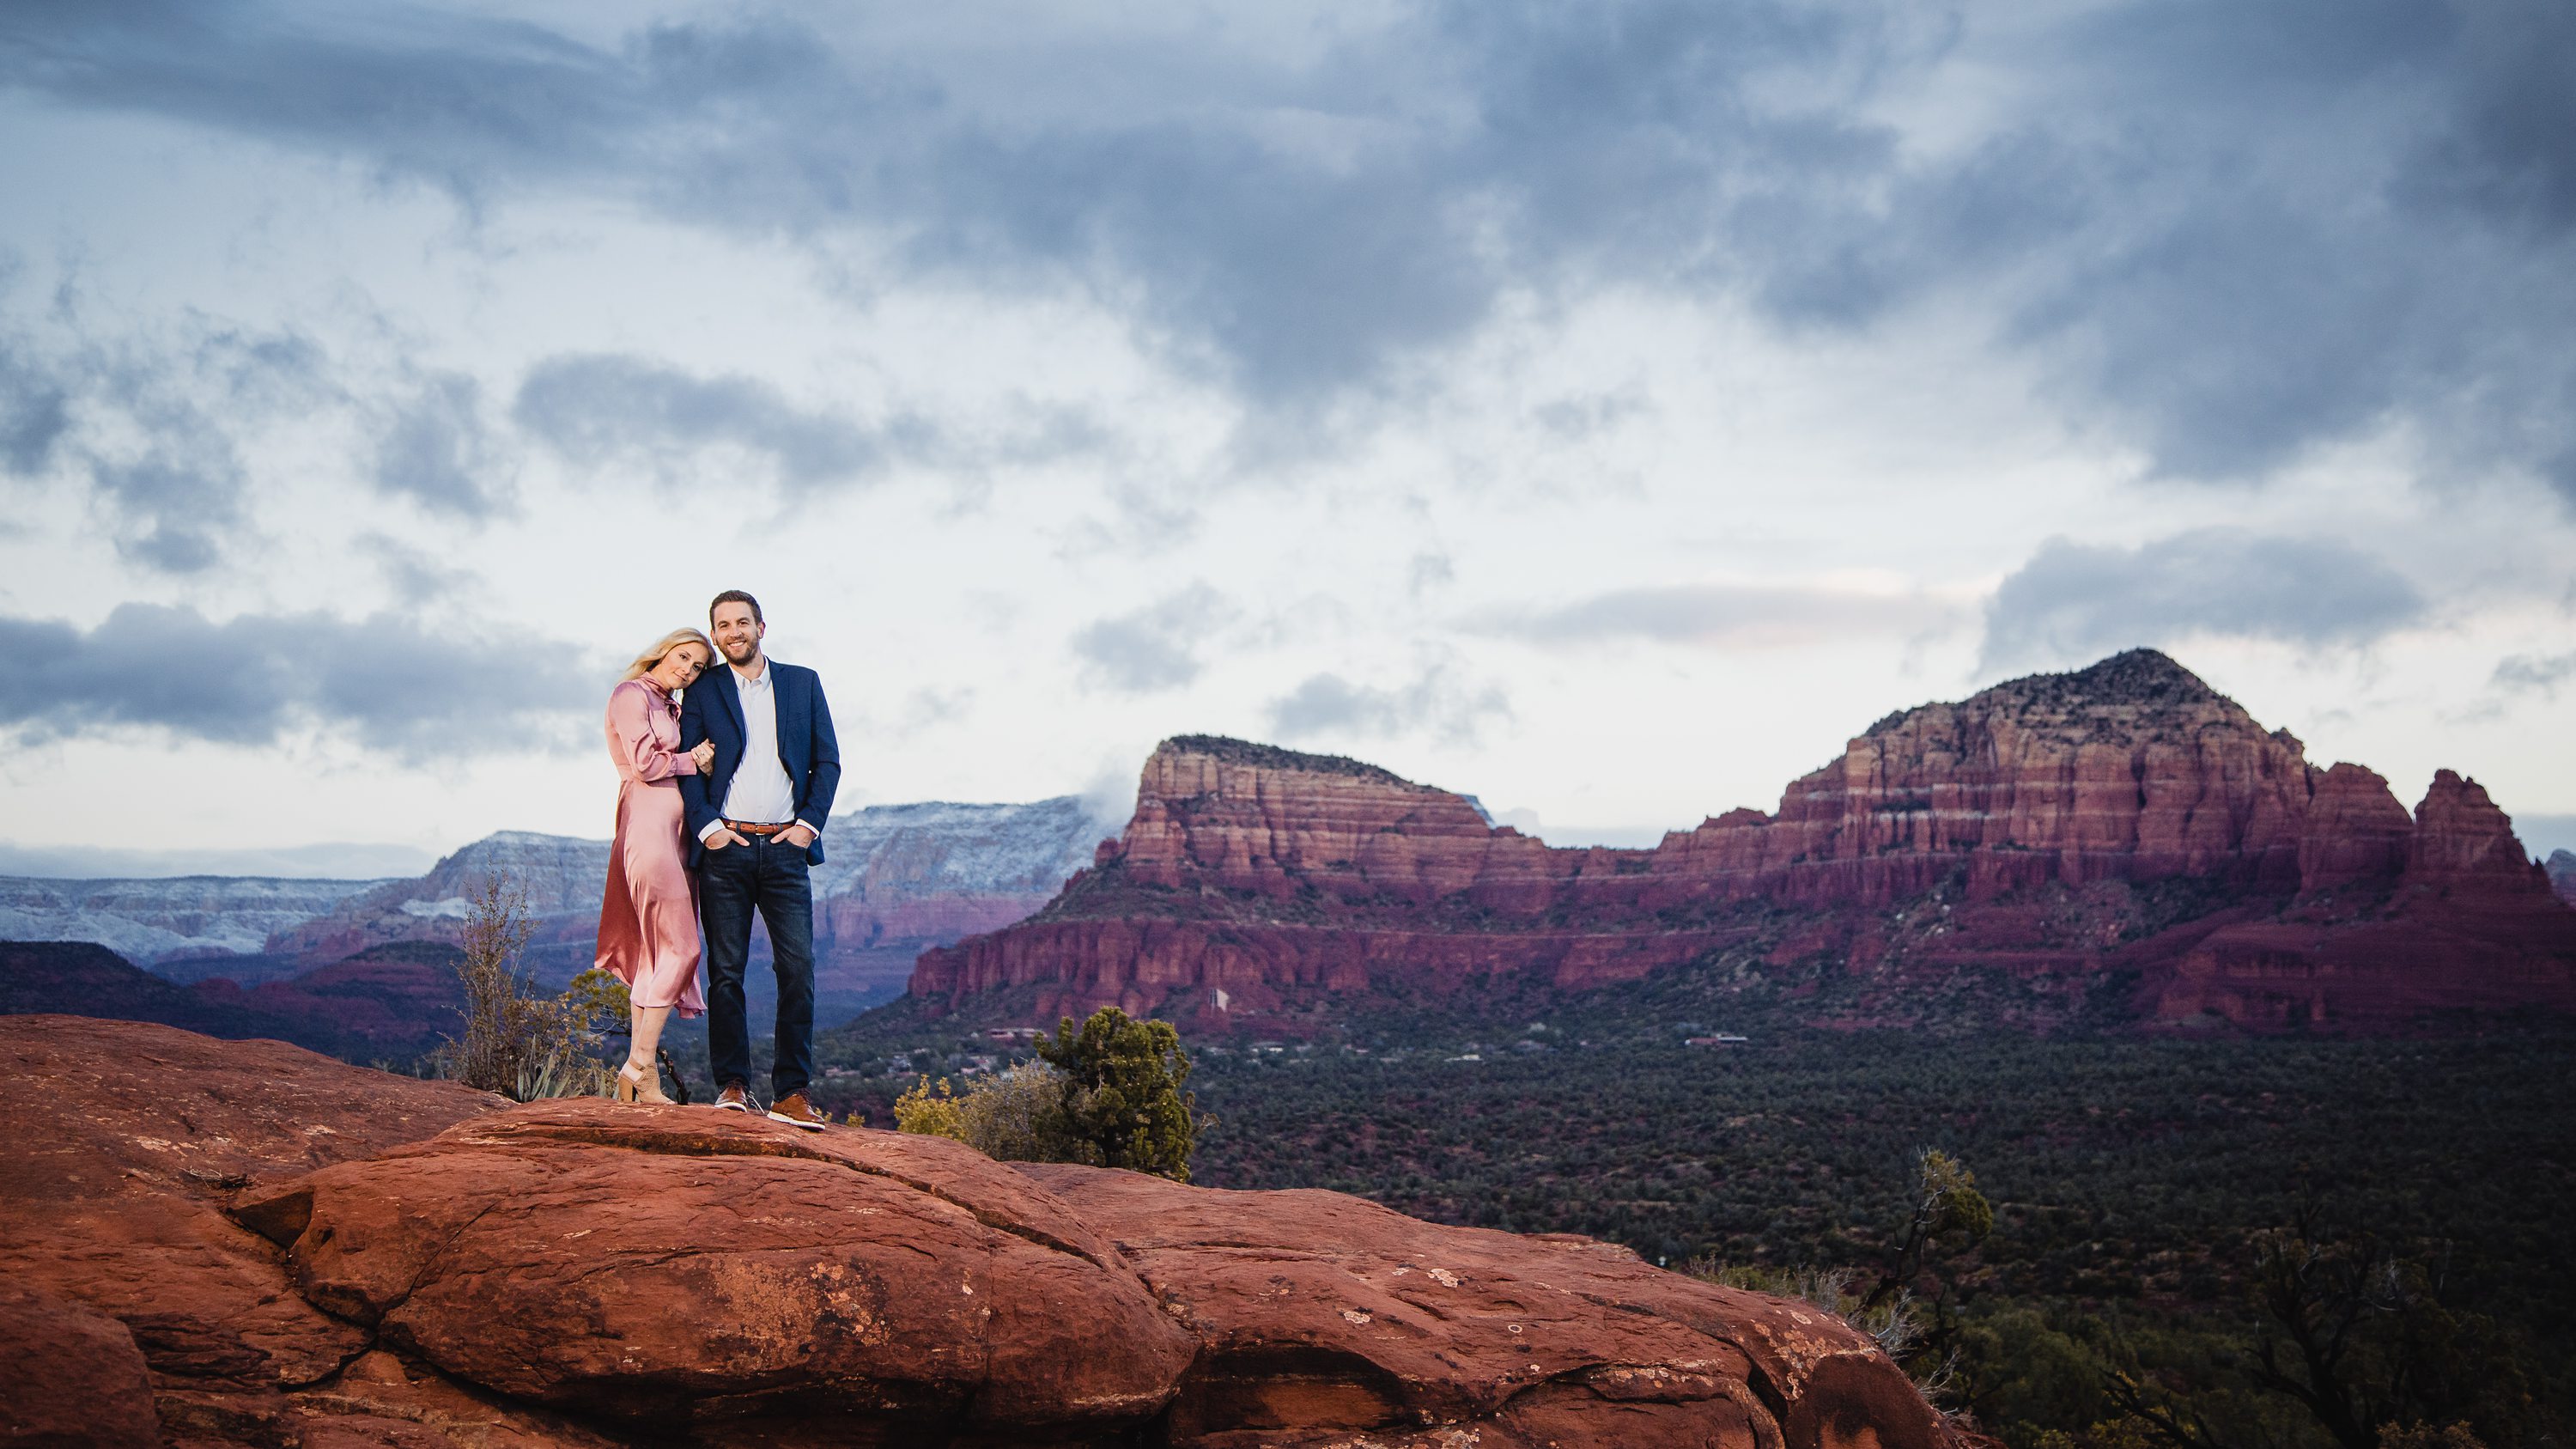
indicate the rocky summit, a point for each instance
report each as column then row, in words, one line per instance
column 2122, row 830
column 217, row 1243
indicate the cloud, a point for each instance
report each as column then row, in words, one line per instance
column 1328, row 704
column 163, row 446
column 1724, row 615
column 1429, row 571
column 597, row 409
column 2533, row 674
column 1577, row 418
column 2232, row 234
column 433, row 449
column 175, row 504
column 394, row 686
column 414, row 576
column 1155, row 647
column 1109, row 797
column 2074, row 602
column 35, row 412
column 151, row 424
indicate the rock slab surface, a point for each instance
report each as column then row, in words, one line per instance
column 250, row 1244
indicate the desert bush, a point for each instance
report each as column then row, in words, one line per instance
column 516, row 1042
column 1123, row 1094
column 1017, row 1116
column 1896, row 1323
column 1106, row 1092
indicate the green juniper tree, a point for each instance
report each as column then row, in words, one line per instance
column 1123, row 1090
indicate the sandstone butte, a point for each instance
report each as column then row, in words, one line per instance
column 244, row 1243
column 2068, row 833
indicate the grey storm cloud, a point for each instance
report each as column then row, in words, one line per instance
column 1722, row 614
column 391, row 683
column 597, row 409
column 1436, row 701
column 35, row 412
column 434, row 449
column 1155, row 647
column 152, row 425
column 2075, row 602
column 2234, row 232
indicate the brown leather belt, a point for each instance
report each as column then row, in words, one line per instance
column 745, row 827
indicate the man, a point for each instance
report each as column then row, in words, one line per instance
column 758, row 816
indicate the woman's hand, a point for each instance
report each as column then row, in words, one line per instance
column 704, row 755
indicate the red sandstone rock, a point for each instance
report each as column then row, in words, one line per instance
column 1255, row 882
column 687, row 1273
column 2130, row 770
column 688, row 1266
column 72, row 1376
column 1322, row 1314
column 2462, row 838
column 2355, row 830
column 130, row 1138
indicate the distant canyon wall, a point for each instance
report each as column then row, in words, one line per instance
column 897, row 879
column 1280, row 878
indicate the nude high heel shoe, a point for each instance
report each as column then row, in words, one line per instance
column 635, row 1087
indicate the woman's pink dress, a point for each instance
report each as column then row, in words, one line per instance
column 648, row 925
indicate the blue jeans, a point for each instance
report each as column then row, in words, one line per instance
column 767, row 876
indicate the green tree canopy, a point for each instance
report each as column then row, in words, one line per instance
column 1123, row 1090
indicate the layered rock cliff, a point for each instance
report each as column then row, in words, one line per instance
column 158, row 919
column 894, row 878
column 242, row 1243
column 1255, row 881
column 897, row 880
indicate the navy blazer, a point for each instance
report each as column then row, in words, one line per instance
column 711, row 709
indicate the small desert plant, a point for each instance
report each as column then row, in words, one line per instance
column 519, row 1044
column 1106, row 1092
column 1017, row 1116
column 1896, row 1324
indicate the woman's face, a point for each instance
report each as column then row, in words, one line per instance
column 681, row 667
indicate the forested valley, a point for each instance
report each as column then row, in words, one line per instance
column 2213, row 1244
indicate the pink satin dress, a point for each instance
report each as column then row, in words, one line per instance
column 648, row 924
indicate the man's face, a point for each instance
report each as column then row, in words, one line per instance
column 737, row 632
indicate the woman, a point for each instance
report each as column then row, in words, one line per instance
column 648, row 925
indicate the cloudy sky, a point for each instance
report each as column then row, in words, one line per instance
column 1606, row 409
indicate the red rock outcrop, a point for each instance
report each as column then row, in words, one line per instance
column 2130, row 770
column 1255, row 884
column 1318, row 1311
column 2355, row 830
column 130, row 1139
column 684, row 1266
column 243, row 1243
column 2461, row 838
column 74, row 1376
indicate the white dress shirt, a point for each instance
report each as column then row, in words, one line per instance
column 760, row 793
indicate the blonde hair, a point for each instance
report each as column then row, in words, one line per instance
column 662, row 647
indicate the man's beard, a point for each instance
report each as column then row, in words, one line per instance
column 743, row 653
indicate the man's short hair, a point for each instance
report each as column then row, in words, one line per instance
column 733, row 596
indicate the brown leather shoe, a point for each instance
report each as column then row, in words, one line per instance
column 795, row 1111
column 734, row 1098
